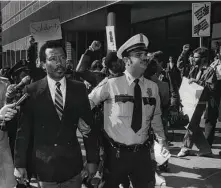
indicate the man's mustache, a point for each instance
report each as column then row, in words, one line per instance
column 60, row 67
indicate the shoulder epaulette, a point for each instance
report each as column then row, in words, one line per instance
column 118, row 75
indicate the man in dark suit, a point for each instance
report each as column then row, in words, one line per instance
column 49, row 122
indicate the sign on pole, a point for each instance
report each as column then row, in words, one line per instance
column 201, row 19
column 111, row 40
column 46, row 30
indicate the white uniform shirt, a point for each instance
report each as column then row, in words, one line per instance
column 118, row 115
column 52, row 87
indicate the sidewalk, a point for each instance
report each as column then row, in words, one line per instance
column 193, row 171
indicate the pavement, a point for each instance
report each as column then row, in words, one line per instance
column 193, row 171
column 190, row 171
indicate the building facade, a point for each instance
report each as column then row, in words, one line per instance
column 168, row 25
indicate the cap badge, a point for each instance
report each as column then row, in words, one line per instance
column 141, row 38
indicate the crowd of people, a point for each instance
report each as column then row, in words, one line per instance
column 121, row 104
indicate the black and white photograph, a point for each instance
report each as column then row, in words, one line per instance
column 110, row 94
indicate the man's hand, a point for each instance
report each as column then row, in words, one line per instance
column 87, row 84
column 21, row 174
column 95, row 45
column 174, row 116
column 8, row 112
column 191, row 80
column 186, row 47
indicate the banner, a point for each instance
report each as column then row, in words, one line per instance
column 46, row 30
column 189, row 95
column 111, row 40
column 201, row 19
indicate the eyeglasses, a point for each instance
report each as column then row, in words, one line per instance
column 57, row 58
column 196, row 57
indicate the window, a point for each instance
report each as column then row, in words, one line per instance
column 36, row 6
column 22, row 4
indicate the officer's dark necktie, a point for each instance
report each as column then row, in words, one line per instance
column 137, row 111
column 58, row 100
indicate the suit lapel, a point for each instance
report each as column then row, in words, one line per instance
column 69, row 97
column 47, row 101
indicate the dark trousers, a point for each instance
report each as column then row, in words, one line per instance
column 137, row 165
column 194, row 134
column 211, row 116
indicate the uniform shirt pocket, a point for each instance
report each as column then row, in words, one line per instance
column 123, row 109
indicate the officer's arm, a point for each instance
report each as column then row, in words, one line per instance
column 88, row 130
column 99, row 93
column 157, row 121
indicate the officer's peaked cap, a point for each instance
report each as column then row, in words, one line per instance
column 137, row 42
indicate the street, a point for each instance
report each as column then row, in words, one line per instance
column 193, row 171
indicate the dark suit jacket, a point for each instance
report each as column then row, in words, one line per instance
column 56, row 153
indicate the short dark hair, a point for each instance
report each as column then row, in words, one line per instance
column 50, row 44
column 152, row 68
column 202, row 51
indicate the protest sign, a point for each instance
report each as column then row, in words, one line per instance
column 189, row 95
column 201, row 13
column 111, row 41
column 46, row 30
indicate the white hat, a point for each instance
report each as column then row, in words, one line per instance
column 137, row 42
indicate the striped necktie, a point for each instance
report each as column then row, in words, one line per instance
column 58, row 100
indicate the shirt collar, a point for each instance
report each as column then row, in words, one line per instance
column 52, row 82
column 130, row 78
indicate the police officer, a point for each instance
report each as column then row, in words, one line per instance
column 131, row 104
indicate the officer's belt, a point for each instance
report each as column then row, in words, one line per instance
column 133, row 147
column 127, row 98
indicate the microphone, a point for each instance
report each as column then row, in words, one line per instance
column 12, row 89
column 25, row 96
column 23, row 82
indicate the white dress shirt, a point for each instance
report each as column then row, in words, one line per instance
column 52, row 87
column 118, row 115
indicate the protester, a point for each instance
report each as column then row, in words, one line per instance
column 127, row 148
column 174, row 72
column 49, row 122
column 166, row 76
column 7, row 179
column 83, row 71
column 183, row 63
column 194, row 134
column 32, row 57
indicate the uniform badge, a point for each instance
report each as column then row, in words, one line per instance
column 141, row 38
column 149, row 92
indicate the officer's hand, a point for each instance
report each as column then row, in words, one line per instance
column 95, row 45
column 164, row 146
column 21, row 174
column 8, row 112
column 92, row 169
